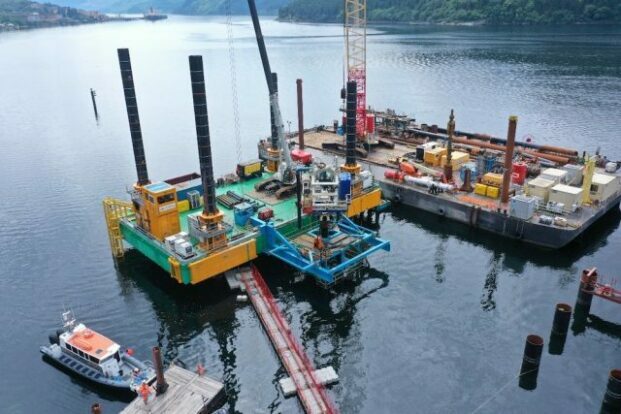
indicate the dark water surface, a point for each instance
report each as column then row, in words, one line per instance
column 436, row 326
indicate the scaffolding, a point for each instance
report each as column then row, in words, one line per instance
column 356, row 56
column 116, row 210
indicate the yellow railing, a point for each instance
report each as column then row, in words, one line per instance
column 115, row 210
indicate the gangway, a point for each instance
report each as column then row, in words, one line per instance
column 310, row 390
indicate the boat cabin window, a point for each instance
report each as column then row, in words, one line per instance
column 93, row 359
column 166, row 198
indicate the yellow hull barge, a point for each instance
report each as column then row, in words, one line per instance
column 196, row 229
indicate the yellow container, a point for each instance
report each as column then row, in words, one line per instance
column 493, row 192
column 183, row 206
column 480, row 189
column 458, row 159
column 492, row 179
column 433, row 157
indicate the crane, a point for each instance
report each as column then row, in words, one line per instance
column 279, row 160
column 356, row 58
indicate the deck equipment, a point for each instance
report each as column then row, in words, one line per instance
column 240, row 219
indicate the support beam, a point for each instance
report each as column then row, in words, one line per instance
column 202, row 134
column 504, row 198
column 132, row 114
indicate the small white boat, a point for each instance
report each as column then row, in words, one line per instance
column 96, row 357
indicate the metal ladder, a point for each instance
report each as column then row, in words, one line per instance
column 115, row 210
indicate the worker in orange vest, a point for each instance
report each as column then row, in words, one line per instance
column 145, row 391
column 318, row 243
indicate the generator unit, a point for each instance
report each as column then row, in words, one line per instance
column 250, row 169
column 194, row 198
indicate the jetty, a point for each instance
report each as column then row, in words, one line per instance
column 187, row 393
column 304, row 380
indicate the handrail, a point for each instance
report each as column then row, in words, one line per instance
column 316, row 386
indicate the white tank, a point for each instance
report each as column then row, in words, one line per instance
column 427, row 182
column 611, row 167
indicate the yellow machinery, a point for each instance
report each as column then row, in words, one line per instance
column 587, row 180
column 492, row 179
column 433, row 157
column 250, row 169
column 480, row 189
column 158, row 210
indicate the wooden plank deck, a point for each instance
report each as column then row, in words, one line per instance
column 187, row 393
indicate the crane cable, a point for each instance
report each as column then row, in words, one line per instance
column 232, row 69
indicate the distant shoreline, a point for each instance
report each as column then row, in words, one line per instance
column 481, row 23
column 9, row 27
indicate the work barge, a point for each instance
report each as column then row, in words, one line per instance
column 282, row 204
column 300, row 212
column 541, row 195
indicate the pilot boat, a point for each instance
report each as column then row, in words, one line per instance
column 96, row 358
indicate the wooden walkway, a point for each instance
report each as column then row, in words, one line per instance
column 312, row 394
column 188, row 393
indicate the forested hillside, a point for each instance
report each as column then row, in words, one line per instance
column 460, row 11
column 176, row 6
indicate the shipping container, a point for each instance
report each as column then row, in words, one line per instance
column 570, row 197
column 522, row 207
column 434, row 156
column 250, row 169
column 574, row 174
column 458, row 159
column 604, row 186
column 492, row 192
column 554, row 174
column 539, row 187
column 480, row 189
column 492, row 179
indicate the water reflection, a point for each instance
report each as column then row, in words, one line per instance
column 516, row 254
column 440, row 258
column 491, row 282
column 331, row 322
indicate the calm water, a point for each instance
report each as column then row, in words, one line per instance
column 435, row 326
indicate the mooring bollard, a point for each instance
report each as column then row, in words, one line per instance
column 558, row 334
column 530, row 362
column 161, row 385
column 612, row 398
column 562, row 316
column 585, row 291
column 96, row 409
